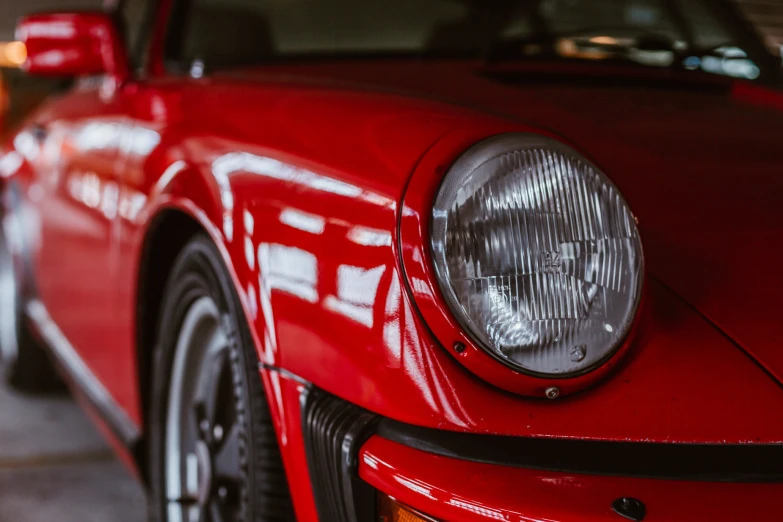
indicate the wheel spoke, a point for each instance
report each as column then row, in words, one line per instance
column 191, row 475
column 210, row 474
column 215, row 366
column 203, row 424
column 185, row 501
column 217, row 341
column 220, row 512
column 225, row 401
column 226, row 459
column 183, row 509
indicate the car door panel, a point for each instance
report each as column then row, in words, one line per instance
column 77, row 198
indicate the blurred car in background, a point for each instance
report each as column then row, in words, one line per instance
column 401, row 261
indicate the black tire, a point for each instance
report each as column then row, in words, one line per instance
column 31, row 371
column 199, row 273
column 24, row 363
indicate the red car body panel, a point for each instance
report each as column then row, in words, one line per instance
column 322, row 196
column 285, row 399
column 299, row 174
column 460, row 491
column 696, row 163
column 310, row 326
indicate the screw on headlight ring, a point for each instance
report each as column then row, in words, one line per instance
column 552, row 392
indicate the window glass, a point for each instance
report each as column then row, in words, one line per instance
column 217, row 34
column 564, row 16
column 133, row 18
column 231, row 32
column 709, row 32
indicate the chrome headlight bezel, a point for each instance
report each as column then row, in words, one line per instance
column 465, row 166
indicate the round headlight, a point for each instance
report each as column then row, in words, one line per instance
column 537, row 255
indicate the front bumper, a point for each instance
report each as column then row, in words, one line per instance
column 356, row 458
column 464, row 491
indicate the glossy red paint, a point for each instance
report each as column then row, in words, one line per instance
column 299, row 174
column 462, row 491
column 73, row 200
column 308, row 223
column 284, row 404
column 414, row 379
column 70, row 44
column 696, row 162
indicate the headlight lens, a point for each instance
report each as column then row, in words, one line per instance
column 537, row 254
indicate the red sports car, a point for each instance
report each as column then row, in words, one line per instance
column 411, row 260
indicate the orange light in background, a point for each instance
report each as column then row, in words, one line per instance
column 571, row 49
column 389, row 510
column 603, row 40
column 15, row 53
column 12, row 54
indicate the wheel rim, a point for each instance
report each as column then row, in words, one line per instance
column 205, row 469
column 9, row 293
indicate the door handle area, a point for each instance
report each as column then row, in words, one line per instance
column 39, row 132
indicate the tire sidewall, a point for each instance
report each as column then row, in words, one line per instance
column 198, row 272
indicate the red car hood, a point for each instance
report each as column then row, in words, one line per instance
column 699, row 163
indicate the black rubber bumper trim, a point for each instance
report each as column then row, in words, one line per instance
column 695, row 462
column 334, row 431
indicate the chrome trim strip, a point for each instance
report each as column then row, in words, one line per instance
column 284, row 373
column 75, row 368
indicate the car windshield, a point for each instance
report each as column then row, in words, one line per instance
column 685, row 34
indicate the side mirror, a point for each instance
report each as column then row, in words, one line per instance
column 73, row 44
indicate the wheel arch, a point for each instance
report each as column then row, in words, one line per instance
column 173, row 219
column 160, row 249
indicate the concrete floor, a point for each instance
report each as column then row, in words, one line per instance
column 55, row 467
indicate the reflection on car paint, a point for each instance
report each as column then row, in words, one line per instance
column 98, row 135
column 10, row 162
column 303, row 221
column 356, row 293
column 369, row 236
column 289, row 269
column 26, row 145
column 90, row 190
